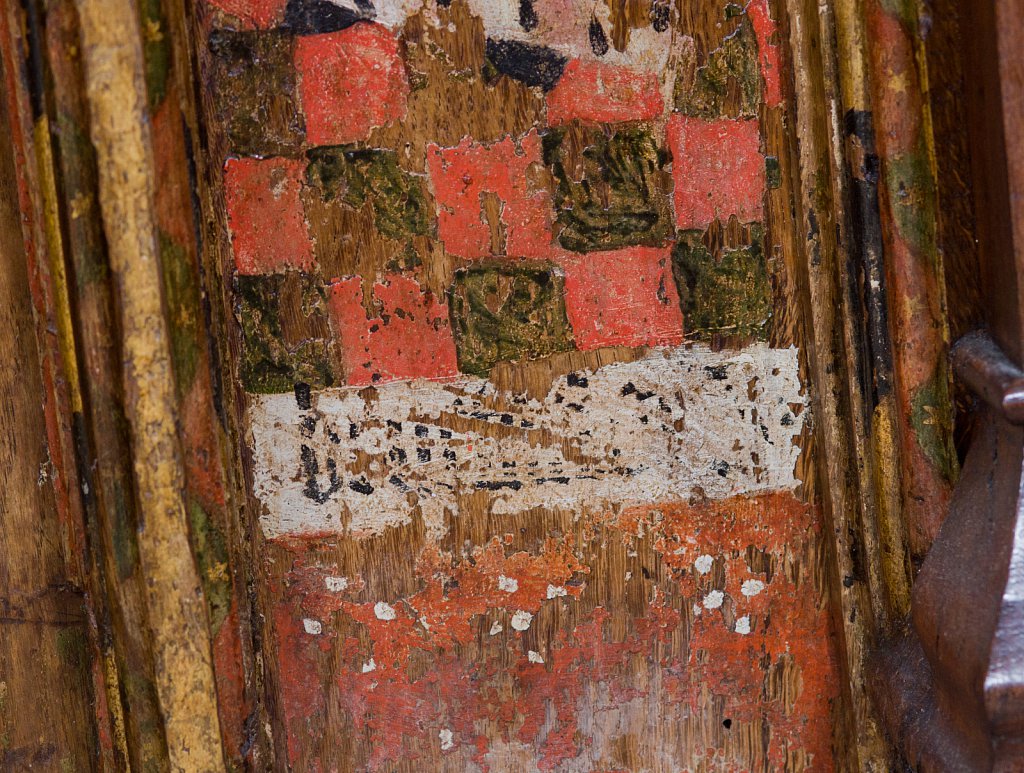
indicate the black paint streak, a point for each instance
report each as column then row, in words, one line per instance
column 495, row 485
column 575, row 380
column 311, row 467
column 536, row 66
column 303, row 396
column 598, row 40
column 314, row 17
column 867, row 224
column 717, row 372
column 528, row 18
column 361, row 486
column 660, row 15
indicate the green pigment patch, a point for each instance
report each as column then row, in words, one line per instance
column 621, row 199
column 255, row 92
column 730, row 295
column 181, row 292
column 399, row 199
column 931, row 415
column 731, row 73
column 211, row 552
column 285, row 332
column 504, row 312
column 156, row 50
column 912, row 193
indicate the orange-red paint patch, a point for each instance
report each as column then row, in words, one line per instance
column 463, row 178
column 729, row 623
column 592, row 91
column 765, row 28
column 350, row 82
column 622, row 298
column 718, row 170
column 409, row 338
column 258, row 14
column 268, row 228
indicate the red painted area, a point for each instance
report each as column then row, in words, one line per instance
column 718, row 170
column 429, row 662
column 268, row 228
column 302, row 701
column 622, row 298
column 765, row 28
column 592, row 91
column 232, row 706
column 258, row 14
column 409, row 338
column 511, row 170
column 788, row 620
column 350, row 82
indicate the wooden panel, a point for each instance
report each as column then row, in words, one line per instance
column 45, row 654
column 512, row 337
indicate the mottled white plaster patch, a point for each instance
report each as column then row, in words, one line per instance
column 752, row 587
column 361, row 460
column 521, row 620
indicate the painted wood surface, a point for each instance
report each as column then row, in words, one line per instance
column 513, row 347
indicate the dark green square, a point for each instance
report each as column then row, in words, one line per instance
column 507, row 312
column 401, row 207
column 286, row 336
column 728, row 294
column 622, row 197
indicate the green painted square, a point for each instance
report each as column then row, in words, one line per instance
column 507, row 312
column 401, row 208
column 285, row 332
column 728, row 85
column 621, row 199
column 728, row 295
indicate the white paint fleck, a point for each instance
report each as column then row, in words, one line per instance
column 752, row 587
column 336, row 584
column 521, row 620
column 369, row 666
column 704, row 563
column 714, row 599
column 554, row 591
column 496, row 628
column 694, row 429
column 743, row 625
column 534, row 657
column 424, row 623
column 384, row 611
column 508, row 584
column 697, row 610
column 629, row 576
column 447, row 739
column 312, row 627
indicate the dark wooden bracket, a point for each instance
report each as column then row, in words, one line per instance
column 979, row 362
column 951, row 687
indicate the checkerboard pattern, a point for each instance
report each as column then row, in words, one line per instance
column 599, row 200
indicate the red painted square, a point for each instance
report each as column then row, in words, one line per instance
column 258, row 14
column 350, row 82
column 604, row 93
column 622, row 298
column 411, row 337
column 268, row 227
column 718, row 170
column 768, row 52
column 512, row 171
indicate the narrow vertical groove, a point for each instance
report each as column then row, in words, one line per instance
column 828, row 358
